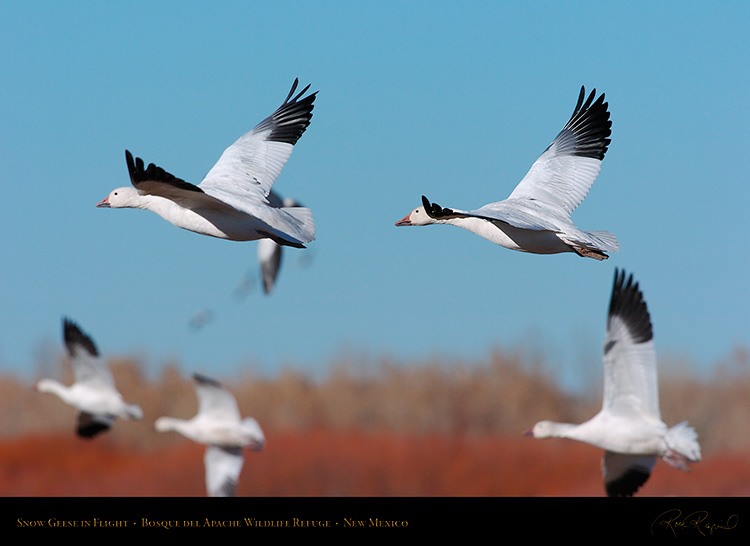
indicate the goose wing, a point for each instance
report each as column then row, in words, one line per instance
column 624, row 474
column 88, row 367
column 564, row 173
column 630, row 376
column 214, row 401
column 519, row 213
column 247, row 169
column 90, row 424
column 223, row 466
column 154, row 180
column 269, row 256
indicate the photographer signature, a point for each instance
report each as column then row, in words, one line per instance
column 674, row 521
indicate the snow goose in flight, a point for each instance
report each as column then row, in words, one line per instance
column 93, row 393
column 218, row 425
column 536, row 216
column 232, row 200
column 629, row 426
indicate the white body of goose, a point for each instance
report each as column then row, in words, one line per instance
column 629, row 426
column 232, row 200
column 218, row 425
column 93, row 393
column 535, row 217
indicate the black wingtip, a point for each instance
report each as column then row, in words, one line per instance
column 72, row 335
column 291, row 92
column 205, row 380
column 430, row 208
column 294, row 86
column 591, row 124
column 627, row 484
column 90, row 430
column 152, row 173
column 627, row 302
column 434, row 210
column 291, row 119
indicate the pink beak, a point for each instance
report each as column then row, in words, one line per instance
column 404, row 221
column 104, row 202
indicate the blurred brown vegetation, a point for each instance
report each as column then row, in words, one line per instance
column 384, row 428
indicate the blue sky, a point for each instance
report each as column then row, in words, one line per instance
column 454, row 100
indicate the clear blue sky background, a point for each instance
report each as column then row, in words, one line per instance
column 453, row 100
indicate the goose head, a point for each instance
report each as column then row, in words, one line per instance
column 428, row 213
column 47, row 385
column 119, row 198
column 164, row 424
column 417, row 217
column 543, row 429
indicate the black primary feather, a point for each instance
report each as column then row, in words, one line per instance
column 152, row 173
column 73, row 335
column 627, row 303
column 591, row 126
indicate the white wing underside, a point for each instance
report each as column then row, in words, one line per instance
column 630, row 375
column 216, row 403
column 522, row 214
column 91, row 371
column 243, row 177
column 223, row 467
column 247, row 170
column 558, row 177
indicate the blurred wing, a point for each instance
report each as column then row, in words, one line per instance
column 88, row 368
column 269, row 256
column 223, row 466
column 89, row 424
column 214, row 400
column 247, row 169
column 630, row 376
column 624, row 474
column 564, row 173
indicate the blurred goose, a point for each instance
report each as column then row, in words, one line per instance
column 629, row 426
column 93, row 393
column 536, row 216
column 232, row 200
column 218, row 425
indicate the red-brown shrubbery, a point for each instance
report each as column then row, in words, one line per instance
column 427, row 429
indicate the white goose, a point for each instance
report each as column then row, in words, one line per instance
column 218, row 425
column 536, row 216
column 629, row 426
column 232, row 200
column 93, row 393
